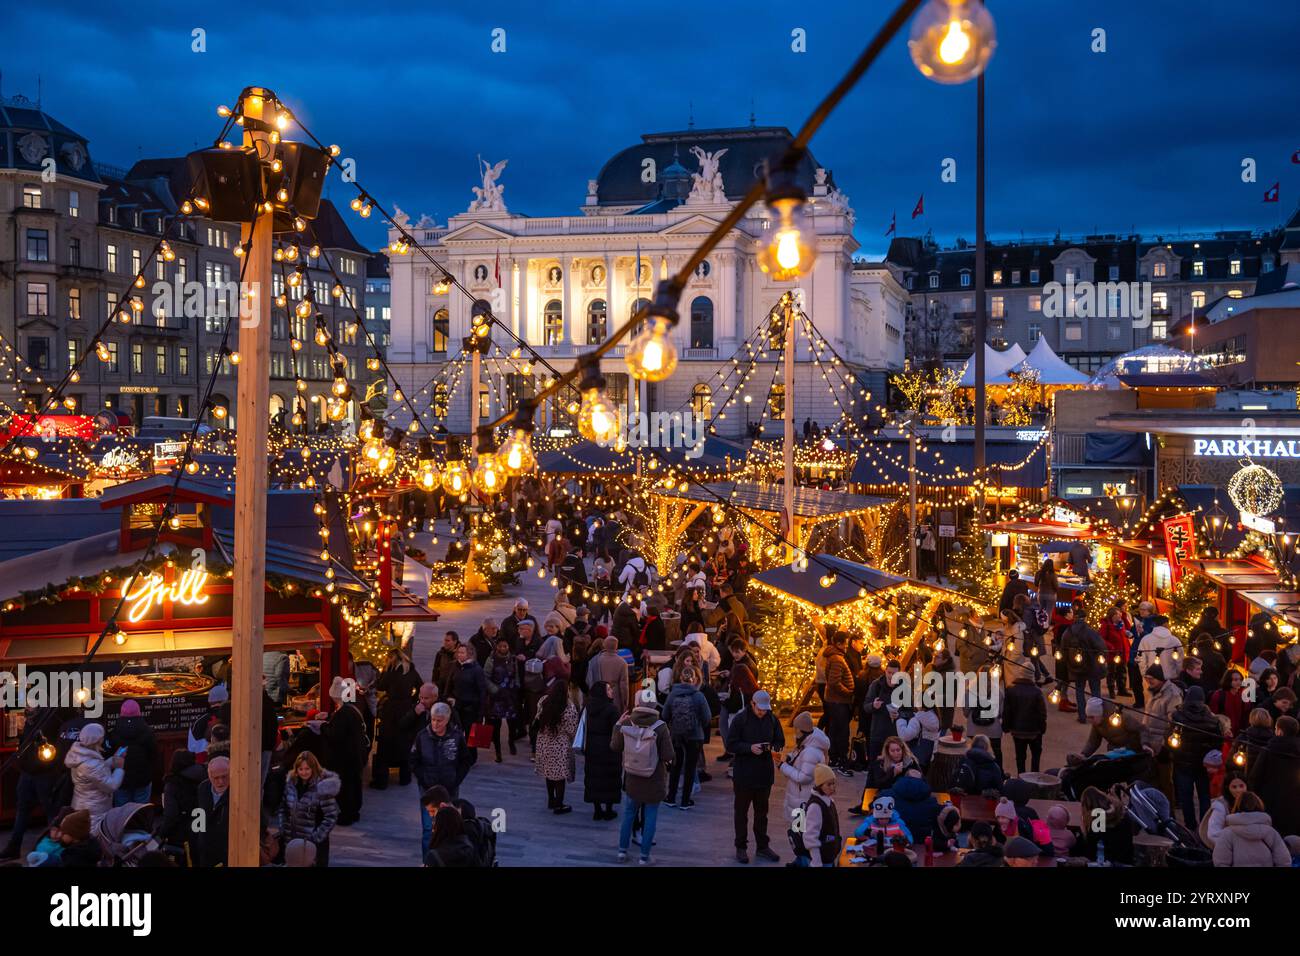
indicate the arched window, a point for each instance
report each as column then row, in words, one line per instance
column 637, row 306
column 597, row 322
column 277, row 404
column 702, row 401
column 441, row 330
column 553, row 323
column 702, row 322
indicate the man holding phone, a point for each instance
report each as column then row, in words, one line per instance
column 755, row 737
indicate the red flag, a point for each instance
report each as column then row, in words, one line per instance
column 1295, row 157
column 893, row 225
column 1270, row 194
column 920, row 206
column 498, row 268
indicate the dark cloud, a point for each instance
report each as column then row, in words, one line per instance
column 1149, row 134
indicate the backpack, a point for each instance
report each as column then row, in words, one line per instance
column 484, row 838
column 641, row 578
column 640, row 749
column 683, row 723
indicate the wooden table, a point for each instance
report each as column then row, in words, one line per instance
column 869, row 794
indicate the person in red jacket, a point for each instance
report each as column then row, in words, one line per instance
column 1116, row 635
column 1061, row 621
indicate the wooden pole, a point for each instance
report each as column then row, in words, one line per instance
column 789, row 425
column 252, row 416
column 911, row 495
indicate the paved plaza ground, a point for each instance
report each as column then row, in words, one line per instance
column 389, row 831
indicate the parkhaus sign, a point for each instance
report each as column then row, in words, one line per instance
column 1246, row 448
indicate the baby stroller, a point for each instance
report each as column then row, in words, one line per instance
column 126, row 833
column 1150, row 809
column 1103, row 771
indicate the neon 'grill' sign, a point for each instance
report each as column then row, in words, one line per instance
column 1246, row 448
column 152, row 591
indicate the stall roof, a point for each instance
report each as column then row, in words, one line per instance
column 1284, row 604
column 1012, row 464
column 159, row 487
column 585, row 456
column 1235, row 572
column 1042, row 529
column 806, row 585
column 770, row 499
column 31, row 525
column 159, row 643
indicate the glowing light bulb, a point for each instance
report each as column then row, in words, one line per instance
column 598, row 418
column 516, row 453
column 952, row 41
column 651, row 356
column 487, row 475
column 790, row 252
column 456, row 479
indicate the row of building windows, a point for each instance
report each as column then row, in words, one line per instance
column 1159, row 270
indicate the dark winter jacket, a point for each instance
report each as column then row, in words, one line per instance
column 345, row 739
column 398, row 722
column 209, row 847
column 141, row 750
column 483, row 646
column 441, row 760
column 879, row 724
column 41, row 722
column 978, row 772
column 1025, row 709
column 458, row 851
column 626, row 626
column 1080, row 639
column 839, row 677
column 1275, row 777
column 602, row 767
column 510, row 630
column 180, row 796
column 752, row 771
column 917, row 806
column 1200, row 733
column 309, row 811
column 469, row 685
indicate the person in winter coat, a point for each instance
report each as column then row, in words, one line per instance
column 38, row 780
column 877, row 705
column 1227, row 700
column 1025, row 719
column 1159, row 646
column 1275, row 776
column 483, row 641
column 80, row 846
column 755, row 736
column 501, row 679
column 1199, row 734
column 468, row 688
column 895, row 761
column 609, row 668
column 978, row 771
column 1163, row 698
column 984, row 849
column 601, row 769
column 920, row 730
column 443, row 663
column 1085, row 660
column 95, row 778
column 626, row 626
column 1011, row 589
column 941, row 664
column 400, row 684
column 1212, row 824
column 180, row 796
column 1249, row 838
column 687, row 714
column 644, row 744
column 557, row 725
column 510, row 626
column 310, row 806
column 1253, row 740
column 820, row 841
column 839, row 701
column 1126, row 736
column 1115, row 635
column 213, row 801
column 984, row 710
column 811, row 750
column 1207, row 649
column 916, row 805
column 439, row 757
column 132, row 734
column 346, row 751
column 449, row 844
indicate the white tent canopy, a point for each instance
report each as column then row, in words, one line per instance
column 1052, row 370
column 996, row 365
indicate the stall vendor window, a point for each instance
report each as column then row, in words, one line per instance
column 1162, row 586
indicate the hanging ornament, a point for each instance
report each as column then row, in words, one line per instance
column 1255, row 490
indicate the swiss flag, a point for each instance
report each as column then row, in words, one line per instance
column 1270, row 194
column 920, row 206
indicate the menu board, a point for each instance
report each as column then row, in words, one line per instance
column 162, row 714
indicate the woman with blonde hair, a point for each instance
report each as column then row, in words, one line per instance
column 895, row 760
column 309, row 808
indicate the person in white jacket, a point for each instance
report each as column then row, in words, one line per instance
column 635, row 565
column 95, row 778
column 1160, row 647
column 919, row 729
column 811, row 747
column 1214, row 822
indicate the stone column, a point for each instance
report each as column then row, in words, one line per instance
column 609, row 294
column 566, row 298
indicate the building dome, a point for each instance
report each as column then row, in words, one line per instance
column 28, row 137
column 620, row 182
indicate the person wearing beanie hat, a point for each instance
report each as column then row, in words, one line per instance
column 1198, row 734
column 300, row 852
column 133, row 734
column 219, row 694
column 804, row 723
column 95, row 778
column 1093, row 708
column 811, row 751
column 1058, row 825
column 80, row 848
column 1020, row 851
